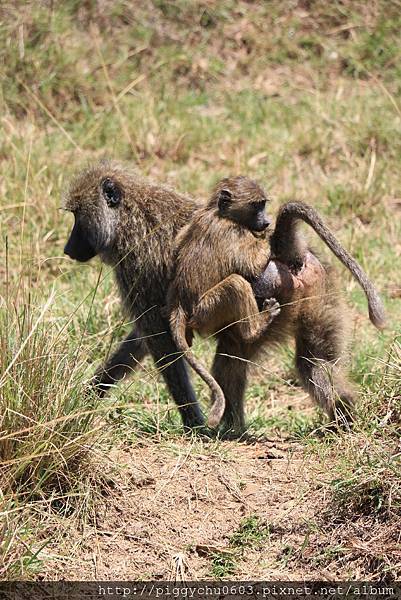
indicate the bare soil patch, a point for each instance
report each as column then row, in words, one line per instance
column 176, row 506
column 180, row 505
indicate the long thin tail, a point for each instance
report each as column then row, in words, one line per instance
column 289, row 214
column 178, row 324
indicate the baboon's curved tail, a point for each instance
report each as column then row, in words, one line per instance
column 178, row 325
column 284, row 232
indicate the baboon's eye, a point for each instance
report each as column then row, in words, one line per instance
column 111, row 192
column 259, row 205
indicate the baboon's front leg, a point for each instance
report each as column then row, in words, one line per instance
column 231, row 302
column 172, row 366
column 125, row 359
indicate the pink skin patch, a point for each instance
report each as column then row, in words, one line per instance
column 310, row 273
column 279, row 281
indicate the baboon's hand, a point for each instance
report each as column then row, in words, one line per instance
column 271, row 306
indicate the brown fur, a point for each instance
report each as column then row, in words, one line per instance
column 135, row 238
column 315, row 307
column 216, row 256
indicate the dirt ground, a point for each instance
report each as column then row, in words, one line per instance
column 175, row 509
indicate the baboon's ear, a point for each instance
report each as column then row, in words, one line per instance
column 225, row 197
column 112, row 192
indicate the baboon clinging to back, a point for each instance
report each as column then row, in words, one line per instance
column 221, row 250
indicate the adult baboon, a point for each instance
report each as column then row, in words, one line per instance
column 221, row 250
column 131, row 223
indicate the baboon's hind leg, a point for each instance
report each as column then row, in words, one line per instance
column 319, row 360
column 232, row 301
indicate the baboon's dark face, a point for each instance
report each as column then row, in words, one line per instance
column 81, row 244
column 249, row 213
column 95, row 206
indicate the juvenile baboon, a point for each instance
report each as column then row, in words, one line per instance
column 221, row 248
column 130, row 223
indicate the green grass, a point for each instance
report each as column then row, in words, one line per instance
column 367, row 470
column 305, row 100
column 252, row 533
column 223, row 565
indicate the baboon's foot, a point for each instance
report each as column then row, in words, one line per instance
column 271, row 306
